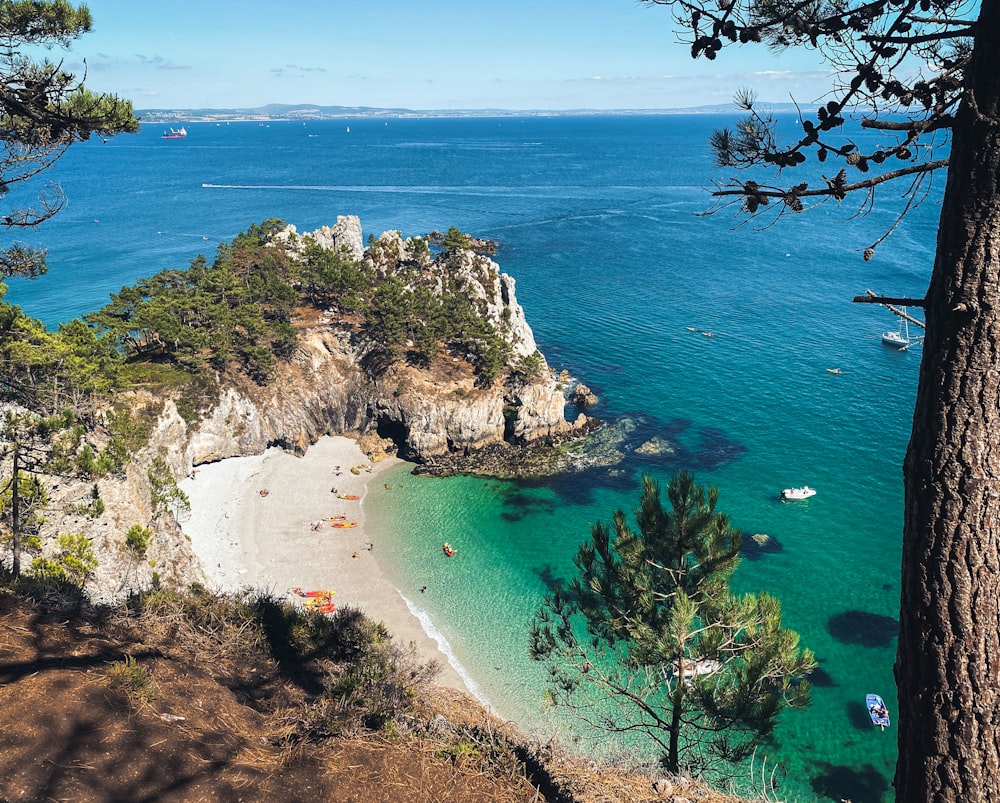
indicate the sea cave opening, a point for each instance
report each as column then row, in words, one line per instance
column 397, row 432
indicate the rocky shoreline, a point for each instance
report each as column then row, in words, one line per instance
column 440, row 416
column 513, row 461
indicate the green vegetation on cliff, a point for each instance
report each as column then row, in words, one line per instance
column 186, row 328
column 237, row 312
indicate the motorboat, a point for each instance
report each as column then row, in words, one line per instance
column 693, row 669
column 790, row 494
column 877, row 711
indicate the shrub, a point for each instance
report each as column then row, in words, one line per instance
column 72, row 565
column 137, row 540
column 531, row 365
column 129, row 676
column 163, row 491
column 360, row 676
column 94, row 509
column 86, row 460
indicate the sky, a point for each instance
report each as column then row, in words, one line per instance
column 419, row 54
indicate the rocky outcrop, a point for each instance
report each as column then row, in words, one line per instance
column 335, row 384
column 345, row 234
column 583, row 396
column 338, row 382
column 325, row 390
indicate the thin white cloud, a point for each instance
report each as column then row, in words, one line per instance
column 295, row 69
column 770, row 75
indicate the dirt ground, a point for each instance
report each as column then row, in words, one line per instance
column 71, row 734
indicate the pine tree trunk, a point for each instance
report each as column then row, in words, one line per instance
column 948, row 662
column 15, row 513
column 674, row 752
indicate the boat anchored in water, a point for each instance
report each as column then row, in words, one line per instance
column 899, row 339
column 694, row 669
column 792, row 494
column 877, row 711
column 175, row 133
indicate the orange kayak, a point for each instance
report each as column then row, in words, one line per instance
column 344, row 524
column 321, row 593
column 322, row 607
column 348, row 496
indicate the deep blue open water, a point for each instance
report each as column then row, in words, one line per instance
column 598, row 220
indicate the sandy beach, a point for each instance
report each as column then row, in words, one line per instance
column 266, row 522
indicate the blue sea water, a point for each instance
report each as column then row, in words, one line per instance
column 599, row 220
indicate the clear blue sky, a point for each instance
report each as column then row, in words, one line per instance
column 418, row 54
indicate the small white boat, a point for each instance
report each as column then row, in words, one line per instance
column 897, row 339
column 798, row 493
column 877, row 711
column 693, row 669
column 900, row 338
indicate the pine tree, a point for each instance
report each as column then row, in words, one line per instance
column 43, row 110
column 648, row 638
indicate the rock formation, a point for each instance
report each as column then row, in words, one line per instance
column 344, row 234
column 338, row 382
column 331, row 386
column 583, row 396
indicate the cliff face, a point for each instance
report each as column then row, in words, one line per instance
column 336, row 383
column 339, row 381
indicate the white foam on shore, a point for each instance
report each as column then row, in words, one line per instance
column 431, row 630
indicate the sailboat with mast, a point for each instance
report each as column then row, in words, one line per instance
column 900, row 338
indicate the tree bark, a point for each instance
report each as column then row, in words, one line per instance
column 674, row 752
column 948, row 660
column 15, row 513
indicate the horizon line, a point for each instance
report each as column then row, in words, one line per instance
column 300, row 110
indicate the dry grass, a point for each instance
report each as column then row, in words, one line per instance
column 238, row 681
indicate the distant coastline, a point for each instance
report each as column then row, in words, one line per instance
column 305, row 112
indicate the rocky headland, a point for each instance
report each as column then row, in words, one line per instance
column 338, row 382
column 439, row 414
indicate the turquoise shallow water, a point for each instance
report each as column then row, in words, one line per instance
column 597, row 219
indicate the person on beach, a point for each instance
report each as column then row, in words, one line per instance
column 263, row 492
